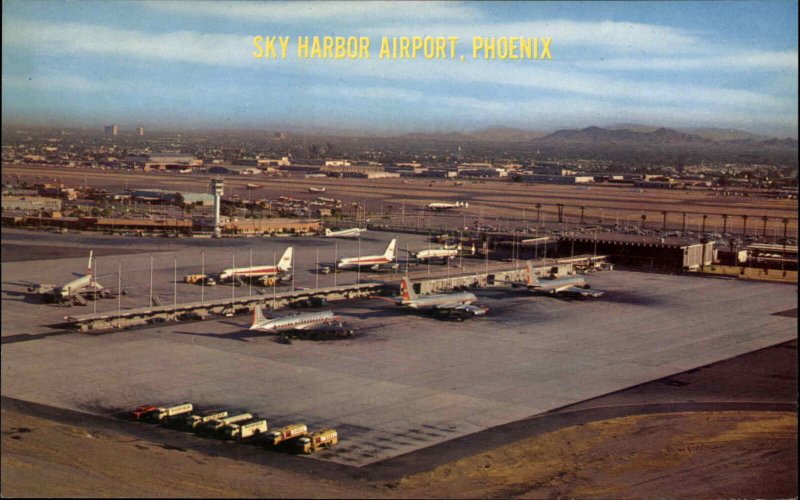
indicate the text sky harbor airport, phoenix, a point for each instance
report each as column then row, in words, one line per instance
column 404, row 47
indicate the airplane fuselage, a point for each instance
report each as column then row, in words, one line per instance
column 297, row 322
column 369, row 261
column 345, row 233
column 439, row 300
column 552, row 286
column 440, row 253
column 250, row 272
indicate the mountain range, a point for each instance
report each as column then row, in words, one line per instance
column 628, row 134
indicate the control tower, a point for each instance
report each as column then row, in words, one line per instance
column 217, row 186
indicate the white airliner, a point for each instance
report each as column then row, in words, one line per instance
column 439, row 206
column 316, row 190
column 76, row 290
column 442, row 253
column 374, row 262
column 344, row 233
column 456, row 305
column 304, row 321
column 260, row 272
column 574, row 286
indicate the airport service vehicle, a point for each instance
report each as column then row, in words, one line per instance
column 193, row 421
column 439, row 206
column 374, row 262
column 215, row 425
column 166, row 413
column 573, row 286
column 140, row 412
column 199, row 279
column 456, row 305
column 283, row 266
column 246, row 429
column 304, row 321
column 316, row 441
column 344, row 233
column 284, row 434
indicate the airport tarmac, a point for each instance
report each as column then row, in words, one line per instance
column 406, row 381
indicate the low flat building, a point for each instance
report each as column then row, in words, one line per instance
column 31, row 203
column 270, row 226
column 557, row 179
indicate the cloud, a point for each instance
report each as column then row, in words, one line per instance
column 78, row 39
column 55, row 81
column 335, row 13
column 234, row 50
column 622, row 36
column 766, row 61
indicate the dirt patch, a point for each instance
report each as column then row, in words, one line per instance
column 721, row 454
column 67, row 461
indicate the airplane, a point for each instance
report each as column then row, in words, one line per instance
column 444, row 253
column 373, row 262
column 75, row 291
column 253, row 186
column 260, row 272
column 438, row 207
column 344, row 233
column 316, row 190
column 303, row 321
column 456, row 305
column 574, row 286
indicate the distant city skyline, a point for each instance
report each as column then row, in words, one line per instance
column 189, row 65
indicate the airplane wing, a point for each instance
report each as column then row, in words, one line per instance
column 462, row 308
column 579, row 292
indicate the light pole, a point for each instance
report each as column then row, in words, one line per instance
column 150, row 303
column 175, row 286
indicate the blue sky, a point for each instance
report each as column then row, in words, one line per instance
column 189, row 65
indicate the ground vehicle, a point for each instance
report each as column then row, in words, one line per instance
column 287, row 433
column 199, row 279
column 142, row 411
column 192, row 421
column 270, row 281
column 215, row 425
column 316, row 441
column 245, row 429
column 166, row 413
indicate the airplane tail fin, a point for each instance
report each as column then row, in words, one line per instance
column 406, row 290
column 258, row 317
column 328, row 231
column 389, row 254
column 531, row 276
column 285, row 263
column 89, row 266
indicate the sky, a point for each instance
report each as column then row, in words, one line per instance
column 190, row 65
